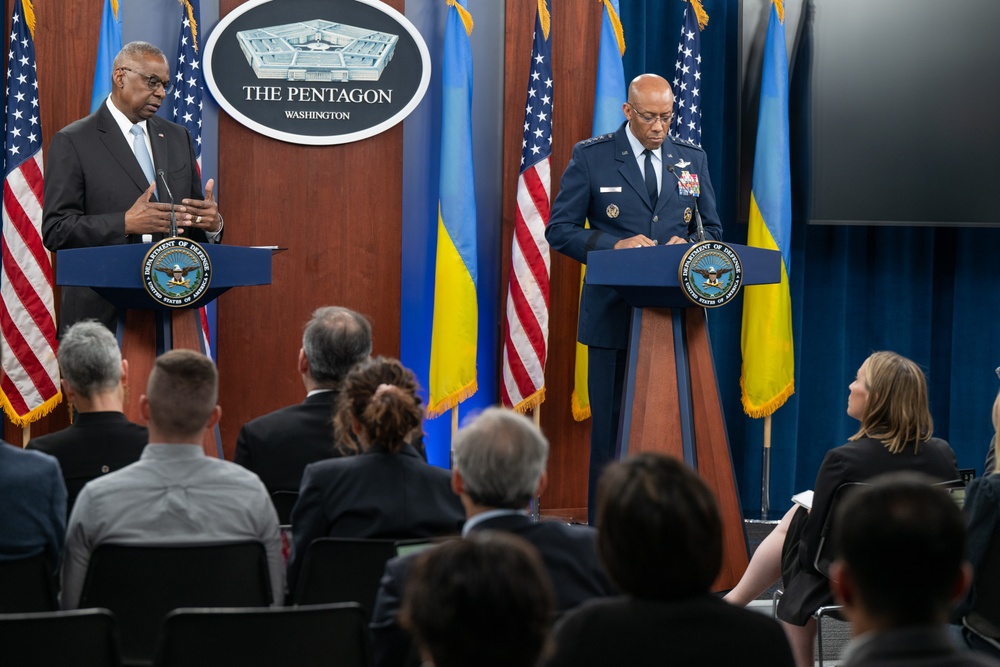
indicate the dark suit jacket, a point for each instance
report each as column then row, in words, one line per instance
column 603, row 185
column 697, row 631
column 91, row 179
column 857, row 461
column 569, row 554
column 279, row 445
column 372, row 495
column 95, row 444
column 917, row 646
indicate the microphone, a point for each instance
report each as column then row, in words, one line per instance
column 173, row 216
column 699, row 229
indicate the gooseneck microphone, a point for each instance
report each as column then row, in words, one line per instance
column 173, row 216
column 699, row 229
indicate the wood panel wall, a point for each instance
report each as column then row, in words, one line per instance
column 576, row 28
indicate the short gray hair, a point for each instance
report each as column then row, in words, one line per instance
column 137, row 51
column 501, row 456
column 335, row 340
column 89, row 358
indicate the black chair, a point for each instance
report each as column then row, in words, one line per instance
column 824, row 552
column 141, row 584
column 338, row 569
column 78, row 637
column 305, row 636
column 983, row 619
column 283, row 502
column 27, row 585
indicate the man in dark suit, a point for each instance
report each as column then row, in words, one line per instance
column 498, row 466
column 279, row 445
column 101, row 183
column 100, row 439
column 899, row 571
column 636, row 187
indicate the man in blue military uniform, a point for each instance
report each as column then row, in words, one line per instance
column 636, row 187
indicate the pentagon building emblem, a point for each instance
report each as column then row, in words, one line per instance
column 710, row 274
column 176, row 272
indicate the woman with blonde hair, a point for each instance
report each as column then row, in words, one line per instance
column 889, row 398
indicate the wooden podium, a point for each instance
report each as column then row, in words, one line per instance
column 670, row 402
column 147, row 328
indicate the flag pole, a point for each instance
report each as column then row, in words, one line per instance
column 765, row 484
column 535, row 511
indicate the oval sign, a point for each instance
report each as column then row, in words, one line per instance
column 317, row 72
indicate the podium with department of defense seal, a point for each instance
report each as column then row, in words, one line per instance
column 670, row 402
column 158, row 289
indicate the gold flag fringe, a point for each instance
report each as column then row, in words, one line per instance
column 45, row 408
column 455, row 397
column 700, row 13
column 545, row 19
column 580, row 412
column 780, row 6
column 467, row 21
column 194, row 24
column 531, row 402
column 29, row 18
column 616, row 24
column 769, row 407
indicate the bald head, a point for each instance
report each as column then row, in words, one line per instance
column 649, row 108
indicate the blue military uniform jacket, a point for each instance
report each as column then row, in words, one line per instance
column 603, row 185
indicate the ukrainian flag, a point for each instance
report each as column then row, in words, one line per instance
column 456, row 315
column 768, row 356
column 108, row 46
column 608, row 99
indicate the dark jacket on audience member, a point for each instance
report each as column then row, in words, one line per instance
column 916, row 646
column 697, row 631
column 569, row 554
column 375, row 494
column 279, row 445
column 95, row 444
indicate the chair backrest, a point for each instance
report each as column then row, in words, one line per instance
column 27, row 585
column 141, row 584
column 78, row 637
column 984, row 618
column 344, row 570
column 283, row 502
column 304, row 636
column 825, row 552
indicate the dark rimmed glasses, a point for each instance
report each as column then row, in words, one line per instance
column 152, row 82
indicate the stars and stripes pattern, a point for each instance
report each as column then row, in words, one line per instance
column 30, row 385
column 527, row 330
column 686, row 125
column 188, row 100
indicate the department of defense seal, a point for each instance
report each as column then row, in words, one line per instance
column 612, row 211
column 710, row 274
column 176, row 272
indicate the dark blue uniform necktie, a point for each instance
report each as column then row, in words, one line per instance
column 650, row 177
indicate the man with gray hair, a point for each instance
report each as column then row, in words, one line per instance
column 174, row 494
column 100, row 439
column 498, row 465
column 279, row 445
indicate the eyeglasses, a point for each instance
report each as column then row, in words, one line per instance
column 649, row 119
column 153, row 82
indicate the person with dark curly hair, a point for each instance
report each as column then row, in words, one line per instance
column 387, row 490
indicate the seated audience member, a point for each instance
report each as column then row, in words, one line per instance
column 483, row 601
column 898, row 571
column 498, row 466
column 32, row 505
column 982, row 509
column 278, row 446
column 100, row 439
column 889, row 398
column 659, row 534
column 174, row 494
column 388, row 490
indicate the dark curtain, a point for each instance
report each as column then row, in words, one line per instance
column 924, row 292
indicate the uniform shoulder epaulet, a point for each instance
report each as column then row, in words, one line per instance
column 598, row 139
column 687, row 144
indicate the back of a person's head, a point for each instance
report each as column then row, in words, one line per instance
column 380, row 395
column 897, row 411
column 659, row 532
column 501, row 456
column 484, row 600
column 89, row 359
column 182, row 392
column 902, row 542
column 334, row 341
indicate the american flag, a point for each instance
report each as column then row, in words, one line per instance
column 189, row 91
column 686, row 125
column 527, row 331
column 30, row 385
